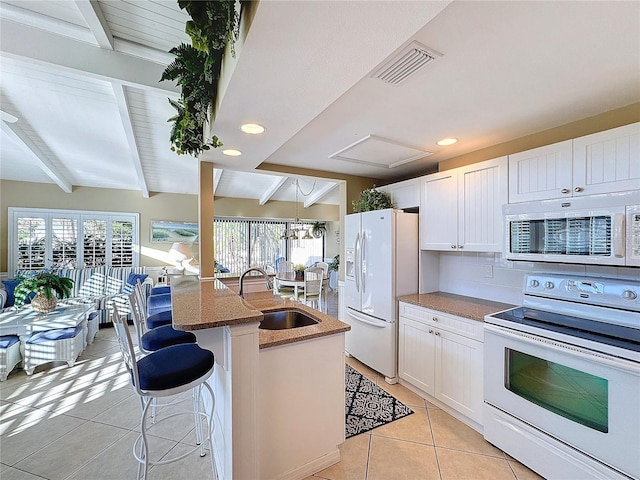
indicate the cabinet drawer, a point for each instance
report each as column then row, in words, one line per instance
column 451, row 323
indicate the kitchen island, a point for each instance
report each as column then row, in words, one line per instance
column 279, row 409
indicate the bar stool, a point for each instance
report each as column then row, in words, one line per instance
column 168, row 372
column 158, row 310
column 150, row 340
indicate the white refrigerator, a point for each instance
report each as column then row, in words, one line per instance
column 381, row 263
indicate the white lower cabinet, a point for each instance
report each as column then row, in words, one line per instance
column 441, row 355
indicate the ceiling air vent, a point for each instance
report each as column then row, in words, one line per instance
column 402, row 66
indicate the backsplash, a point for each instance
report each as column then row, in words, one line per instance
column 467, row 274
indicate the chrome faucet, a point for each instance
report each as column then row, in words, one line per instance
column 254, row 269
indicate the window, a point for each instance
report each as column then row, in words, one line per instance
column 243, row 243
column 41, row 238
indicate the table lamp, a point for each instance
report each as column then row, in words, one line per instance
column 180, row 253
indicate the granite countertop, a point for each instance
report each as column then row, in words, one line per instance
column 205, row 304
column 460, row 305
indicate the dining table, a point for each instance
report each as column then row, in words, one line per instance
column 291, row 279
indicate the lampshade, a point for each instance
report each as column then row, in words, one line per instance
column 180, row 252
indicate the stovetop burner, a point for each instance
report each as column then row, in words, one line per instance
column 610, row 334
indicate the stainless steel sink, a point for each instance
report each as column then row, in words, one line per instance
column 284, row 319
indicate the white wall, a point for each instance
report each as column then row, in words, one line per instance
column 464, row 274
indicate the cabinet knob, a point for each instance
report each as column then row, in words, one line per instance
column 430, row 331
column 453, row 246
column 460, row 247
column 435, row 319
column 437, row 333
column 578, row 189
column 565, row 190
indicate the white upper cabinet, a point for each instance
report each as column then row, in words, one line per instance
column 439, row 211
column 603, row 162
column 607, row 161
column 541, row 173
column 404, row 194
column 482, row 190
column 461, row 208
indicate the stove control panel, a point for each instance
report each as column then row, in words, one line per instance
column 604, row 292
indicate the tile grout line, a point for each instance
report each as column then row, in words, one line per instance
column 433, row 437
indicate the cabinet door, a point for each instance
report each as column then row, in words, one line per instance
column 406, row 194
column 416, row 354
column 439, row 212
column 458, row 375
column 607, row 161
column 541, row 173
column 482, row 190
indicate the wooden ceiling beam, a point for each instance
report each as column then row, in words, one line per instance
column 47, row 165
column 93, row 15
column 278, row 182
column 313, row 198
column 125, row 116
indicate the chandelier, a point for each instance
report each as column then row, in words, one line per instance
column 297, row 227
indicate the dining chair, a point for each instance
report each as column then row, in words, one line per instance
column 325, row 280
column 165, row 373
column 312, row 292
column 284, row 266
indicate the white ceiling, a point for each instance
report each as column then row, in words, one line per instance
column 81, row 78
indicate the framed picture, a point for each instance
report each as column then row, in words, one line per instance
column 169, row 232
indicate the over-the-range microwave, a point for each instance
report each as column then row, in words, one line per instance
column 598, row 229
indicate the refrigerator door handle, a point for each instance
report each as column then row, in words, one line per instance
column 363, row 261
column 357, row 263
column 359, row 316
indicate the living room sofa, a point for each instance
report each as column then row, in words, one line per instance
column 103, row 286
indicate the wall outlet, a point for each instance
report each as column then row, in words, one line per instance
column 488, row 271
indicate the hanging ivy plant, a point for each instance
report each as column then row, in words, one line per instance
column 372, row 199
column 196, row 69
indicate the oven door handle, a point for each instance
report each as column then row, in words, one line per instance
column 593, row 356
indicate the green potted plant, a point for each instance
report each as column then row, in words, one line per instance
column 318, row 229
column 46, row 287
column 334, row 265
column 299, row 269
column 372, row 199
column 196, row 69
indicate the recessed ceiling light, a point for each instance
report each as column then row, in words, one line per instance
column 447, row 141
column 232, row 152
column 252, row 128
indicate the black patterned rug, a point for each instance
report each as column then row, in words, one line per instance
column 367, row 405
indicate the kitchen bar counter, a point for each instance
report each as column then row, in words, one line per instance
column 261, row 389
column 460, row 305
column 205, row 304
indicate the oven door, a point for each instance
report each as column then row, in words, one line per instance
column 585, row 399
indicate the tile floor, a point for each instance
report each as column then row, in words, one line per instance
column 80, row 423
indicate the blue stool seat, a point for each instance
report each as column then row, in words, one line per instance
column 7, row 340
column 160, row 290
column 165, row 336
column 58, row 334
column 158, row 303
column 174, row 366
column 159, row 320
